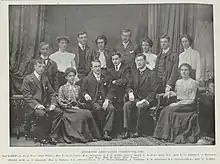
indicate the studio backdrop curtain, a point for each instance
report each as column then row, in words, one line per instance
column 176, row 20
column 171, row 19
column 26, row 29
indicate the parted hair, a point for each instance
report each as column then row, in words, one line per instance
column 103, row 37
column 140, row 54
column 189, row 38
column 38, row 61
column 115, row 52
column 166, row 37
column 148, row 40
column 68, row 70
column 81, row 33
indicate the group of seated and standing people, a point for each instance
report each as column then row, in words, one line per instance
column 91, row 92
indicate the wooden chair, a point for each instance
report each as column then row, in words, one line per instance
column 161, row 103
column 21, row 117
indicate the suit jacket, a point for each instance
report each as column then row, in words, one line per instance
column 51, row 72
column 88, row 57
column 128, row 54
column 116, row 91
column 90, row 86
column 146, row 88
column 34, row 94
column 107, row 53
column 171, row 61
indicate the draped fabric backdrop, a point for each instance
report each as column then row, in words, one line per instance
column 29, row 25
column 26, row 30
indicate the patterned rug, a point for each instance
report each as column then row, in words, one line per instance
column 141, row 141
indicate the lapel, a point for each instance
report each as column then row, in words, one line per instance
column 35, row 80
column 93, row 78
column 128, row 46
column 136, row 77
column 166, row 54
column 49, row 62
column 87, row 52
column 145, row 75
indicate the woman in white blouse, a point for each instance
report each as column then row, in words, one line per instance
column 190, row 56
column 146, row 45
column 63, row 58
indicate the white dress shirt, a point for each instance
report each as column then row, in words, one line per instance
column 102, row 59
column 97, row 76
column 37, row 75
column 64, row 60
column 117, row 67
column 44, row 58
column 125, row 44
column 82, row 46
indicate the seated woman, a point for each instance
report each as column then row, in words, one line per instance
column 178, row 122
column 74, row 124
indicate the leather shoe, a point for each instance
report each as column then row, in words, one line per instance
column 53, row 141
column 106, row 136
column 126, row 135
column 135, row 135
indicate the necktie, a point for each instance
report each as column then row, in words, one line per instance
column 84, row 47
column 45, row 61
column 116, row 68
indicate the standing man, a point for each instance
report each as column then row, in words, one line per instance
column 50, row 71
column 63, row 58
column 102, row 53
column 83, row 55
column 118, row 77
column 40, row 97
column 93, row 92
column 167, row 65
column 141, row 90
column 126, row 48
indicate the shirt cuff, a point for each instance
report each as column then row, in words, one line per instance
column 146, row 101
column 169, row 86
column 36, row 106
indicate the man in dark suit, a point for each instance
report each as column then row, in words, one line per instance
column 118, row 77
column 141, row 89
column 167, row 65
column 50, row 71
column 39, row 96
column 83, row 56
column 126, row 48
column 93, row 91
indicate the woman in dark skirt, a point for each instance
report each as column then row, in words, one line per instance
column 74, row 124
column 178, row 122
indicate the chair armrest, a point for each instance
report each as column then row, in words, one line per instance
column 197, row 104
column 158, row 105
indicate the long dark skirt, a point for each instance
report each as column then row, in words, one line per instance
column 75, row 125
column 178, row 124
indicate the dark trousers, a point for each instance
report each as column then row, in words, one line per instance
column 118, row 121
column 44, row 121
column 130, row 111
column 104, row 118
